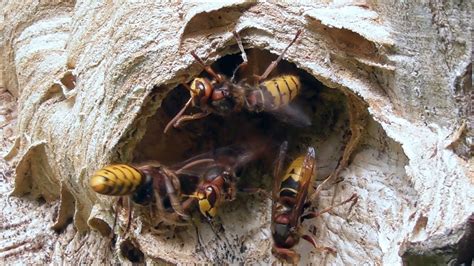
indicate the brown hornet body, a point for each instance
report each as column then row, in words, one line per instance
column 217, row 183
column 145, row 185
column 217, row 186
column 290, row 195
column 221, row 95
column 224, row 97
column 209, row 179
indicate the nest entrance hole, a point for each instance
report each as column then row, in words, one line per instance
column 333, row 113
column 327, row 108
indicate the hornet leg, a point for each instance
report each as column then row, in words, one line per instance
column 171, row 191
column 244, row 55
column 312, row 241
column 311, row 215
column 208, row 69
column 172, row 122
column 185, row 118
column 272, row 66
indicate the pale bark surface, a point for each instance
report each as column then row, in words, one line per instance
column 82, row 86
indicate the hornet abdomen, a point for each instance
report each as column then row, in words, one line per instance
column 292, row 178
column 116, row 180
column 279, row 91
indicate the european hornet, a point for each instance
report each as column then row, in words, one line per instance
column 290, row 201
column 210, row 179
column 146, row 185
column 223, row 96
column 218, row 180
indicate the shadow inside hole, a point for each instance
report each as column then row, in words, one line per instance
column 69, row 80
column 325, row 106
column 130, row 252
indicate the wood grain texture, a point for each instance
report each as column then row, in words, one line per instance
column 87, row 81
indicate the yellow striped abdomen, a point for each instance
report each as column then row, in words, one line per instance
column 283, row 90
column 290, row 182
column 116, row 180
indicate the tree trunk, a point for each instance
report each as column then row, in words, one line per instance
column 388, row 84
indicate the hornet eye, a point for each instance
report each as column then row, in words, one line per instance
column 200, row 86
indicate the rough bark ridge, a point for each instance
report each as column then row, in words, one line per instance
column 90, row 79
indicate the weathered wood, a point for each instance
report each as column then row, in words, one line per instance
column 89, row 79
